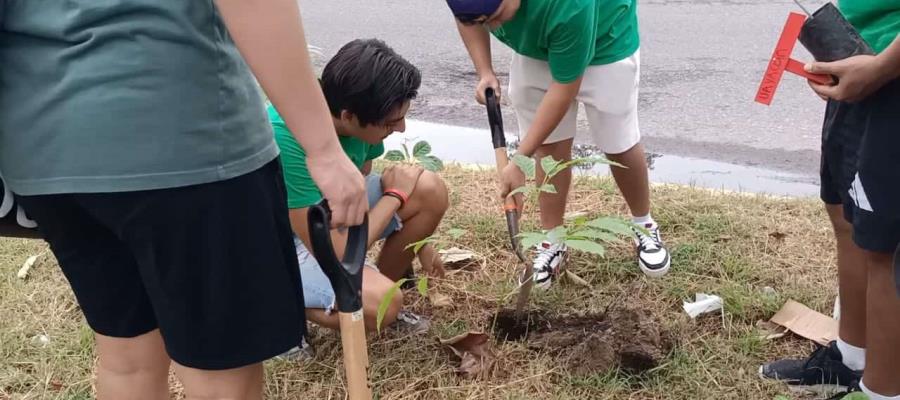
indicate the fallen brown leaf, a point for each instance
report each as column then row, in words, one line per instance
column 456, row 258
column 474, row 352
column 439, row 300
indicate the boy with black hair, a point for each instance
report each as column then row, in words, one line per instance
column 569, row 52
column 368, row 88
column 861, row 191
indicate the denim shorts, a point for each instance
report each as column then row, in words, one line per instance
column 317, row 291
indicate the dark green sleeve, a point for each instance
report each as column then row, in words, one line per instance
column 302, row 191
column 571, row 42
column 375, row 151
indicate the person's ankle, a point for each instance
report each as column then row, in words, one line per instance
column 645, row 221
column 875, row 396
column 852, row 356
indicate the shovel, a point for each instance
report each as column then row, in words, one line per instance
column 495, row 118
column 346, row 280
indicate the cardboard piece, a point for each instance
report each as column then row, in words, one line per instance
column 807, row 322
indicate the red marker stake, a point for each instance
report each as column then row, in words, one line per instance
column 781, row 61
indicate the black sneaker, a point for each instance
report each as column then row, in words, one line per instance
column 823, row 373
column 653, row 258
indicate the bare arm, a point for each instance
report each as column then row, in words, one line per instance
column 550, row 112
column 478, row 44
column 269, row 34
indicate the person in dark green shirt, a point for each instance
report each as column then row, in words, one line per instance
column 368, row 88
column 861, row 191
column 566, row 53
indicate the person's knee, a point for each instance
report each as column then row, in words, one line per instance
column 142, row 355
column 432, row 191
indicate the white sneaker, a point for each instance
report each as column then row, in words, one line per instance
column 653, row 258
column 549, row 263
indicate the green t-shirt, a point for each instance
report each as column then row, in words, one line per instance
column 302, row 192
column 573, row 34
column 124, row 95
column 878, row 21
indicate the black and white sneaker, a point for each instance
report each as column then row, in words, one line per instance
column 549, row 264
column 823, row 373
column 653, row 258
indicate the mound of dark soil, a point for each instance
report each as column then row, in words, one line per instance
column 628, row 339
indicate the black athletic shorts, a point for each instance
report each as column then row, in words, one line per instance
column 212, row 266
column 861, row 166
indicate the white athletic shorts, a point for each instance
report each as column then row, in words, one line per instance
column 609, row 94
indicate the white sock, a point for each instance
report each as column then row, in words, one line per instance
column 875, row 396
column 854, row 357
column 645, row 221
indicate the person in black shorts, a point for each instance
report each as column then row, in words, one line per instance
column 134, row 133
column 861, row 190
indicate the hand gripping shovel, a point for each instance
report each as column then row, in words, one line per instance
column 346, row 279
column 495, row 118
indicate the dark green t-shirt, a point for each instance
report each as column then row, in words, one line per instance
column 573, row 34
column 302, row 192
column 124, row 95
column 878, row 21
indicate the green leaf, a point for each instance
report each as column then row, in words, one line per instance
column 549, row 165
column 431, row 163
column 529, row 239
column 596, row 235
column 526, row 190
column 587, row 245
column 421, row 149
column 456, row 233
column 855, row 396
column 526, row 164
column 422, row 286
column 417, row 246
column 557, row 235
column 614, row 225
column 394, row 155
column 386, row 302
column 548, row 188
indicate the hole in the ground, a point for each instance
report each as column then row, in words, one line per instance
column 588, row 343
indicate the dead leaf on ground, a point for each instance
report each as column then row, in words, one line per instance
column 778, row 235
column 770, row 331
column 474, row 352
column 456, row 258
column 56, row 385
column 439, row 300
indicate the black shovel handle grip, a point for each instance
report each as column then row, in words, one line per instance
column 345, row 275
column 495, row 118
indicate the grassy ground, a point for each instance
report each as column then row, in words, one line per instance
column 727, row 244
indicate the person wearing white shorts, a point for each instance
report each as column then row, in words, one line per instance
column 566, row 53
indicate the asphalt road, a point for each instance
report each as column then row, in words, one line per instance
column 702, row 62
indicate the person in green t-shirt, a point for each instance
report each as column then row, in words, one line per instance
column 568, row 52
column 861, row 191
column 368, row 88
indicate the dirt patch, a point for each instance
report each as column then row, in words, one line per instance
column 628, row 339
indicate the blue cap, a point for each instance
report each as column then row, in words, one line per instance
column 473, row 7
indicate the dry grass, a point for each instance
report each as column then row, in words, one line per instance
column 721, row 243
